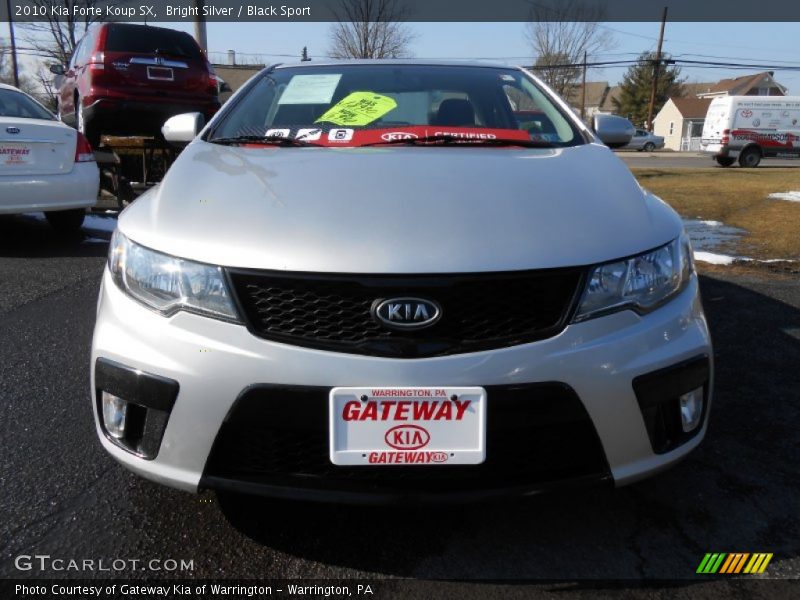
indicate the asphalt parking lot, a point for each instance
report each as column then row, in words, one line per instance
column 63, row 496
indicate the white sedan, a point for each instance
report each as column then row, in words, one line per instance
column 44, row 164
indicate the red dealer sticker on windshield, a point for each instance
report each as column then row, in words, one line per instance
column 407, row 426
column 350, row 137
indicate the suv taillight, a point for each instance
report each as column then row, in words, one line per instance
column 97, row 62
column 726, row 137
column 83, row 149
column 213, row 83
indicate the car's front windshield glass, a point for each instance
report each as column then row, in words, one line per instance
column 357, row 104
column 17, row 104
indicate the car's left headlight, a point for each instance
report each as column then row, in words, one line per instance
column 641, row 283
column 169, row 284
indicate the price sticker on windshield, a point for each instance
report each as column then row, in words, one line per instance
column 358, row 108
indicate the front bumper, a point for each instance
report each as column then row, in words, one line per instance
column 214, row 363
column 33, row 193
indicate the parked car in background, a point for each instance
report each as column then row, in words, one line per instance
column 126, row 79
column 406, row 281
column 643, row 140
column 750, row 128
column 44, row 164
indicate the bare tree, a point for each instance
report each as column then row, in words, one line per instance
column 54, row 39
column 370, row 29
column 559, row 35
column 26, row 84
column 4, row 53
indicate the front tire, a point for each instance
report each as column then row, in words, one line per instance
column 66, row 221
column 725, row 161
column 750, row 158
column 649, row 147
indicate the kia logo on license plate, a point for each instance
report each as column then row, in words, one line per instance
column 406, row 313
column 12, row 130
column 407, row 437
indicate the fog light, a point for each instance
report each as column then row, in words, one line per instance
column 691, row 409
column 114, row 411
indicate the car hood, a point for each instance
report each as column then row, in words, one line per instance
column 399, row 209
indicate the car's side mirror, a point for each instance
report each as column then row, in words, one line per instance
column 224, row 87
column 182, row 129
column 57, row 69
column 614, row 131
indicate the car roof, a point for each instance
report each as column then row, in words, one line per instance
column 5, row 86
column 411, row 62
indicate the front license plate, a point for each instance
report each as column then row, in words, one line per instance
column 160, row 73
column 407, row 426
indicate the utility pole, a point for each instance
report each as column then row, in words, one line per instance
column 583, row 89
column 200, row 27
column 14, row 65
column 656, row 66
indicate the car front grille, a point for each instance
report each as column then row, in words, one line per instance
column 479, row 311
column 537, row 436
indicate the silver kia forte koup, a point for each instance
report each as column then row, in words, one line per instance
column 398, row 281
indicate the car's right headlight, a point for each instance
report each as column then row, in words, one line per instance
column 641, row 283
column 168, row 284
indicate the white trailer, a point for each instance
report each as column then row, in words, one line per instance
column 749, row 128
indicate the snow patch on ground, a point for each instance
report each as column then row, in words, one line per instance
column 790, row 196
column 708, row 236
column 715, row 259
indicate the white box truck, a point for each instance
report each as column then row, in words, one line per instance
column 749, row 128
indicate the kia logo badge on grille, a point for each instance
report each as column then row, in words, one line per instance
column 12, row 130
column 406, row 313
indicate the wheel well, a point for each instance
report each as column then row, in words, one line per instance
column 749, row 147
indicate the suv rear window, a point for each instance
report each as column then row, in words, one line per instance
column 142, row 39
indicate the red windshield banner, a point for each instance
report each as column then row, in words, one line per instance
column 344, row 137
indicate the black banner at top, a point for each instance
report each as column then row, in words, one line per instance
column 410, row 10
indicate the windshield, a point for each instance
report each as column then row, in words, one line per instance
column 17, row 104
column 357, row 105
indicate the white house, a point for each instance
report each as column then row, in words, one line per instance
column 680, row 121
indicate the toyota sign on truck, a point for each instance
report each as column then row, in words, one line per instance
column 749, row 128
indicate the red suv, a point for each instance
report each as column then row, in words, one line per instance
column 128, row 79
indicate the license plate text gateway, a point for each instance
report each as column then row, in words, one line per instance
column 407, row 426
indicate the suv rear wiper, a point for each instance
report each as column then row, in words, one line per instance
column 269, row 140
column 431, row 140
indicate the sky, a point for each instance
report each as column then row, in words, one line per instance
column 764, row 43
column 767, row 43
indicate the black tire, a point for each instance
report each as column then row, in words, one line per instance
column 750, row 158
column 725, row 161
column 649, row 147
column 66, row 221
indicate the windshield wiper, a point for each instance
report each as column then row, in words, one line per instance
column 432, row 140
column 268, row 140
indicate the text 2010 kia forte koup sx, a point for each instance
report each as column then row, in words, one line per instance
column 380, row 281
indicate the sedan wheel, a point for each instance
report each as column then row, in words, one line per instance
column 649, row 147
column 66, row 221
